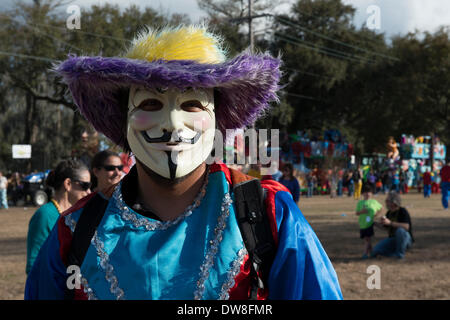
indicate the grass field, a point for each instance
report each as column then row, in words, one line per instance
column 423, row 274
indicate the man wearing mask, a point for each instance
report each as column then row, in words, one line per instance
column 169, row 229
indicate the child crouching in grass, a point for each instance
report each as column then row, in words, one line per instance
column 367, row 209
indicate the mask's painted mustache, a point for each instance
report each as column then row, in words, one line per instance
column 167, row 136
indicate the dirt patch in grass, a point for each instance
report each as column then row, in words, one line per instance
column 422, row 274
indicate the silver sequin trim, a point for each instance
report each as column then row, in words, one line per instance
column 232, row 273
column 129, row 215
column 87, row 289
column 71, row 223
column 158, row 225
column 214, row 247
column 107, row 268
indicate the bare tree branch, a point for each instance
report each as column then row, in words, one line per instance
column 56, row 100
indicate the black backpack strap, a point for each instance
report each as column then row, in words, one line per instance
column 255, row 229
column 84, row 231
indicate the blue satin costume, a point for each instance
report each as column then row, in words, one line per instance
column 197, row 257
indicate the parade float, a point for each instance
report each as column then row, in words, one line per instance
column 416, row 156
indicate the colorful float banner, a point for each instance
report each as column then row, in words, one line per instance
column 422, row 151
column 321, row 149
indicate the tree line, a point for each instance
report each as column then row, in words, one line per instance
column 335, row 75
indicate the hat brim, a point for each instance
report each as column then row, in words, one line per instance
column 245, row 85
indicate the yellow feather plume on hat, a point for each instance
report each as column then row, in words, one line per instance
column 180, row 43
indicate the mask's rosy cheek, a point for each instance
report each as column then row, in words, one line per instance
column 199, row 123
column 206, row 122
column 140, row 120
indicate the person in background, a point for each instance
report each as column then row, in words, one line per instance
column 397, row 222
column 290, row 182
column 409, row 180
column 435, row 182
column 350, row 184
column 310, row 180
column 70, row 182
column 378, row 186
column 367, row 210
column 333, row 181
column 340, row 182
column 371, row 179
column 426, row 184
column 396, row 181
column 106, row 170
column 357, row 178
column 445, row 184
column 403, row 182
column 255, row 170
column 386, row 181
column 277, row 175
column 16, row 187
column 418, row 180
column 3, row 189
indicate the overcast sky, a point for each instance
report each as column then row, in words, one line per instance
column 396, row 16
column 402, row 16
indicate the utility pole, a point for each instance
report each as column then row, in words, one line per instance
column 249, row 20
column 250, row 30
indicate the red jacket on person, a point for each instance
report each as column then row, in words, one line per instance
column 427, row 178
column 445, row 173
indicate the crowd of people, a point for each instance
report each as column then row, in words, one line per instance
column 11, row 186
column 70, row 181
column 3, row 191
column 338, row 182
column 396, row 221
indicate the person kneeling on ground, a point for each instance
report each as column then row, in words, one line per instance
column 398, row 224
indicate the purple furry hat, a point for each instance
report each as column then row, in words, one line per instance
column 244, row 86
